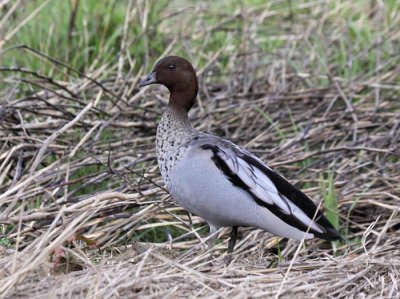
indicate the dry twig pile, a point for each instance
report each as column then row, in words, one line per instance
column 77, row 162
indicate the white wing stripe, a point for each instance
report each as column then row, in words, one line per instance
column 262, row 187
column 264, row 195
column 302, row 216
column 232, row 164
column 246, row 174
column 264, row 181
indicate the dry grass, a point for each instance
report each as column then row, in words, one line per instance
column 77, row 162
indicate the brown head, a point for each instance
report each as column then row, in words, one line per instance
column 179, row 76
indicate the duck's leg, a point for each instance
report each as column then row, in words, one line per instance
column 211, row 241
column 233, row 237
column 190, row 219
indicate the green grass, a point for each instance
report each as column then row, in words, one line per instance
column 278, row 247
column 159, row 234
column 5, row 242
column 156, row 234
column 97, row 33
column 95, row 38
column 330, row 200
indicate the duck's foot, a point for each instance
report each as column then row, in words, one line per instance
column 233, row 237
column 228, row 259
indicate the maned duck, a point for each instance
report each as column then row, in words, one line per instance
column 219, row 181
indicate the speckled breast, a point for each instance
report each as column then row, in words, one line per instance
column 171, row 143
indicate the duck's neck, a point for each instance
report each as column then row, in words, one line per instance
column 183, row 95
column 173, row 130
column 176, row 120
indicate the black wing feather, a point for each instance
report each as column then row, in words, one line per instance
column 299, row 199
column 284, row 188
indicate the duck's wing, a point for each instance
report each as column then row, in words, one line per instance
column 270, row 190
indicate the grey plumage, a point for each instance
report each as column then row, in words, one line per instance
column 221, row 182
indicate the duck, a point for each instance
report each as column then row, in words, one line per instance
column 219, row 181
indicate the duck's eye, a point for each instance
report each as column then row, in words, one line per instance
column 172, row 66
